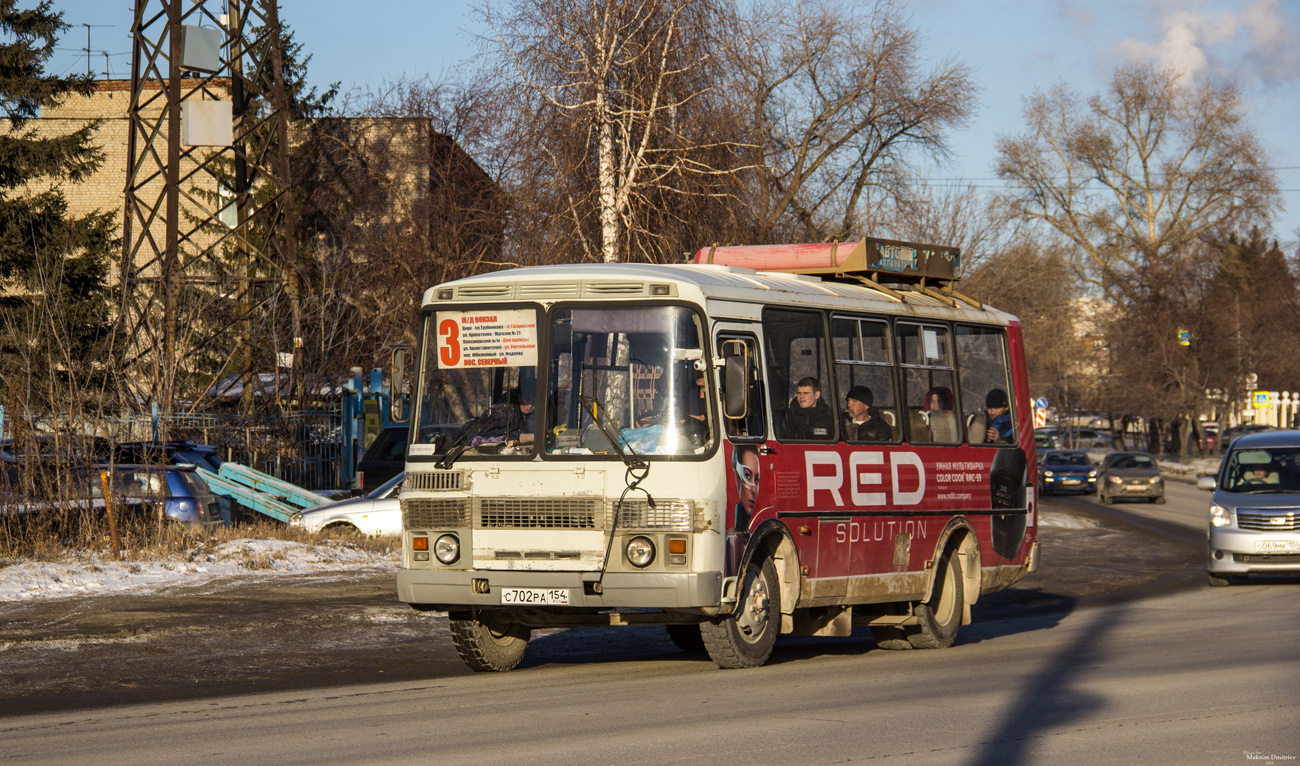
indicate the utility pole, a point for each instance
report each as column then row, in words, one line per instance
column 182, row 264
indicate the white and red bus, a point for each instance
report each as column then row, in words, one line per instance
column 779, row 439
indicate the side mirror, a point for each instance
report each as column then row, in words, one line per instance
column 736, row 371
column 1207, row 483
column 397, row 407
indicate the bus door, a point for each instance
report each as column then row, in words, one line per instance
column 749, row 496
column 808, row 466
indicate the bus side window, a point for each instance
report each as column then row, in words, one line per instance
column 754, row 426
column 797, row 376
column 925, row 353
column 864, row 377
column 985, row 392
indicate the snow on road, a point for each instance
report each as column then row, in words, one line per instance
column 249, row 559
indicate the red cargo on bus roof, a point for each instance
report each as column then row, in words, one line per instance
column 813, row 255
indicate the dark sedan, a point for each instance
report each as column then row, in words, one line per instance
column 1131, row 474
column 1066, row 471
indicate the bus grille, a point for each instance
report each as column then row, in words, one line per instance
column 1261, row 520
column 436, row 481
column 435, row 513
column 669, row 515
column 539, row 513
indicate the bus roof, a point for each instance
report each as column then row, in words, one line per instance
column 724, row 290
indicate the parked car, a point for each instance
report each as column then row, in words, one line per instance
column 1043, row 442
column 162, row 493
column 1209, row 435
column 1066, row 471
column 1130, row 474
column 384, row 459
column 377, row 513
column 1254, row 524
column 1230, row 435
column 1077, row 438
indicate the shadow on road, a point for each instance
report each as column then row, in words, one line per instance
column 1049, row 702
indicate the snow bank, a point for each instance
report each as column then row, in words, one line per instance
column 93, row 575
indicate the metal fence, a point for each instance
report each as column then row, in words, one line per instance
column 304, row 448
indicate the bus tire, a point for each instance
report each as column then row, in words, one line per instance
column 490, row 648
column 744, row 638
column 687, row 638
column 890, row 637
column 939, row 618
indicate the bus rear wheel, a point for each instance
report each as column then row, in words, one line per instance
column 744, row 638
column 939, row 618
column 486, row 647
column 890, row 637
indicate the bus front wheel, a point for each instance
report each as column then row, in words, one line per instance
column 939, row 618
column 486, row 647
column 744, row 638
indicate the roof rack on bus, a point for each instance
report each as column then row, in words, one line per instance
column 929, row 269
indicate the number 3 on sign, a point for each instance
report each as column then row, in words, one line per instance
column 449, row 351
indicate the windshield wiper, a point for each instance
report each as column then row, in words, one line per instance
column 632, row 460
column 471, row 429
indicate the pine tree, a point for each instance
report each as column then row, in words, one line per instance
column 53, row 293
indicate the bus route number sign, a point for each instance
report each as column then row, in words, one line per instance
column 486, row 338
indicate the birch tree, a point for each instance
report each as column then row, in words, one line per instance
column 611, row 86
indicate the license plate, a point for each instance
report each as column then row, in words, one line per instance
column 535, row 596
column 1071, row 481
column 1277, row 546
column 1135, row 488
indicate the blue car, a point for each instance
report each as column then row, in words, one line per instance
column 164, row 493
column 1066, row 471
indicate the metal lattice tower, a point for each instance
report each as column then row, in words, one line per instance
column 206, row 224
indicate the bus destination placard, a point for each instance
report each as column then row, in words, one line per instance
column 487, row 338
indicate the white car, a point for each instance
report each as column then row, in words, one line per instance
column 376, row 513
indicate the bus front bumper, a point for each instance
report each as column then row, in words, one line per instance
column 451, row 589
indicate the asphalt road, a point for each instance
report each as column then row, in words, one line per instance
column 1156, row 669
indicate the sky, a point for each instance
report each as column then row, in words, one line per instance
column 1014, row 47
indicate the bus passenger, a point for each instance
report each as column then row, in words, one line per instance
column 998, row 409
column 938, row 398
column 808, row 417
column 864, row 422
column 508, row 421
column 695, row 423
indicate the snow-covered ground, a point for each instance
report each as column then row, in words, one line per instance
column 250, row 559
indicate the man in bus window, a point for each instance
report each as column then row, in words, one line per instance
column 808, row 417
column 998, row 409
column 865, row 423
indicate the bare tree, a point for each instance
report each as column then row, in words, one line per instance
column 1136, row 175
column 838, row 101
column 1135, row 178
column 955, row 216
column 608, row 89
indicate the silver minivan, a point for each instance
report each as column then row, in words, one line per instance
column 1254, row 525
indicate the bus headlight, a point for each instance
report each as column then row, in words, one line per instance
column 447, row 549
column 1220, row 516
column 640, row 552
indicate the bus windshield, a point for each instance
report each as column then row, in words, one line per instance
column 640, row 371
column 478, row 392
